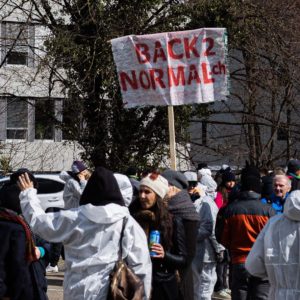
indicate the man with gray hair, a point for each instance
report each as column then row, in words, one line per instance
column 281, row 187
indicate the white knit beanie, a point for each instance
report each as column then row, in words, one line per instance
column 158, row 185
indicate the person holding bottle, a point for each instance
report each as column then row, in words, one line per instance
column 169, row 255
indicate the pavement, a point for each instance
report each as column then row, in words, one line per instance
column 55, row 284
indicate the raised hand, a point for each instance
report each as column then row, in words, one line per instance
column 24, row 182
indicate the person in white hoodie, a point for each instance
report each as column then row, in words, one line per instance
column 208, row 250
column 75, row 182
column 275, row 254
column 207, row 183
column 90, row 235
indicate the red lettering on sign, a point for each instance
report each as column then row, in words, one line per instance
column 205, row 73
column 142, row 53
column 219, row 69
column 210, row 42
column 156, row 76
column 144, row 80
column 131, row 81
column 171, row 52
column 193, row 75
column 171, row 77
column 189, row 46
column 176, row 79
column 159, row 52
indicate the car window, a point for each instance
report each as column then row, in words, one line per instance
column 48, row 186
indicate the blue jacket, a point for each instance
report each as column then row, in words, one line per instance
column 276, row 202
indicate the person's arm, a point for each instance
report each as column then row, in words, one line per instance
column 76, row 188
column 191, row 230
column 135, row 249
column 178, row 257
column 53, row 227
column 206, row 222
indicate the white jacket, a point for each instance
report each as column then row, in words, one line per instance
column 72, row 190
column 91, row 236
column 207, row 245
column 276, row 252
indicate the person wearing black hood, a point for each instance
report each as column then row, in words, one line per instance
column 242, row 221
column 23, row 256
column 90, row 234
column 293, row 172
column 181, row 206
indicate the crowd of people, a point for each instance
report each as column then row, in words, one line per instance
column 229, row 235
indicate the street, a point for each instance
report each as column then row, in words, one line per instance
column 55, row 285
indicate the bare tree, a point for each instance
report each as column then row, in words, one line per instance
column 264, row 64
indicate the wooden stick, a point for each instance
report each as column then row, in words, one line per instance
column 172, row 137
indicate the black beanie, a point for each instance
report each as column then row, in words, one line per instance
column 250, row 170
column 228, row 176
column 175, row 178
column 14, row 177
column 293, row 166
column 9, row 197
column 202, row 165
column 251, row 183
column 101, row 189
column 9, row 194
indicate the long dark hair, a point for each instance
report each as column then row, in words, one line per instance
column 164, row 221
column 156, row 218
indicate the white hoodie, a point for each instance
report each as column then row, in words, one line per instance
column 90, row 235
column 276, row 252
column 72, row 190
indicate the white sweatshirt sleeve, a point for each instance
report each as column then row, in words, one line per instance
column 136, row 251
column 53, row 227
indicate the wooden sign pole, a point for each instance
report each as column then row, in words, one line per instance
column 172, row 137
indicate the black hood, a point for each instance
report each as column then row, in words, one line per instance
column 102, row 188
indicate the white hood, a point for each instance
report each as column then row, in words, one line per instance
column 292, row 206
column 64, row 176
column 203, row 172
column 207, row 180
column 107, row 214
column 125, row 187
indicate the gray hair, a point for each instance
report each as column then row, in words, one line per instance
column 287, row 180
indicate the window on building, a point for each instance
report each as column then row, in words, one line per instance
column 30, row 119
column 18, row 42
column 17, row 119
column 44, row 119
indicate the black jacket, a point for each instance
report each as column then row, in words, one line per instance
column 19, row 280
column 175, row 259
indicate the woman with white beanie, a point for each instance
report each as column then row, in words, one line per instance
column 151, row 212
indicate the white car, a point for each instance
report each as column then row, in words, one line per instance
column 50, row 190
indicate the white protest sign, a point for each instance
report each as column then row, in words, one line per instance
column 172, row 68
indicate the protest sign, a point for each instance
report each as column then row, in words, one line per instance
column 173, row 68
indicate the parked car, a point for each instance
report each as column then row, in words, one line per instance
column 50, row 189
